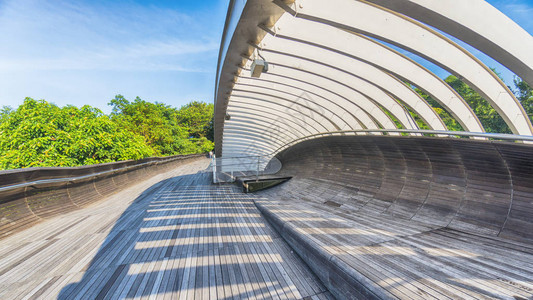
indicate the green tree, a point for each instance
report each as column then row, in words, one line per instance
column 39, row 134
column 153, row 121
column 210, row 130
column 165, row 128
column 450, row 122
column 5, row 112
column 524, row 93
column 488, row 116
column 197, row 117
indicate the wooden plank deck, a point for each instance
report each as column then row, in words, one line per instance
column 394, row 257
column 173, row 236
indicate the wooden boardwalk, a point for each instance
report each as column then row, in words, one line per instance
column 174, row 236
column 392, row 257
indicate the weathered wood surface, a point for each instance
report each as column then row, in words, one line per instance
column 173, row 236
column 31, row 195
column 409, row 218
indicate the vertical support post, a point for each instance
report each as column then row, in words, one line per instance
column 214, row 164
column 257, row 173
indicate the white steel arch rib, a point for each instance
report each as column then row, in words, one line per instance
column 365, row 111
column 365, row 78
column 235, row 141
column 329, row 112
column 282, row 77
column 291, row 126
column 302, row 120
column 344, row 115
column 324, row 77
column 332, row 69
column 345, row 86
column 262, row 119
column 276, row 131
column 249, row 102
column 258, row 146
column 257, row 135
column 311, row 116
column 299, row 123
column 382, row 57
column 281, row 130
column 477, row 23
column 413, row 36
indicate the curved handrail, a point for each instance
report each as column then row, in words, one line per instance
column 499, row 136
column 485, row 135
column 88, row 176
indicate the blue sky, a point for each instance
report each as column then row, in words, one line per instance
column 520, row 11
column 86, row 52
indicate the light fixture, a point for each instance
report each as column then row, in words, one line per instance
column 259, row 66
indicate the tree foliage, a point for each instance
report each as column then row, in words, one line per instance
column 448, row 120
column 524, row 93
column 39, row 133
column 166, row 129
column 487, row 115
column 198, row 118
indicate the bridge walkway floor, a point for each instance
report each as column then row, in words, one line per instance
column 391, row 256
column 173, row 236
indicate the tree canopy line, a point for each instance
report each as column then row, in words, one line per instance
column 488, row 116
column 41, row 134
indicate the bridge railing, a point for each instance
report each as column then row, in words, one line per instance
column 526, row 139
column 227, row 169
column 31, row 194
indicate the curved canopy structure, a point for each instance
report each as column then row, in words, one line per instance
column 332, row 66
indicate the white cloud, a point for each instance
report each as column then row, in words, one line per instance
column 521, row 11
column 61, row 35
column 85, row 52
column 521, row 8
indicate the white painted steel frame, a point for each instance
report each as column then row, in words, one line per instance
column 477, row 23
column 284, row 78
column 302, row 120
column 364, row 78
column 258, row 127
column 325, row 75
column 262, row 120
column 309, row 116
column 376, row 54
column 368, row 97
column 327, row 80
column 340, row 113
column 399, row 30
column 330, row 114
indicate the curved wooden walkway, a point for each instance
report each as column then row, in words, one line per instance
column 409, row 217
column 174, row 236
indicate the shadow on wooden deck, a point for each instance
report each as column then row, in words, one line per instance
column 185, row 238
